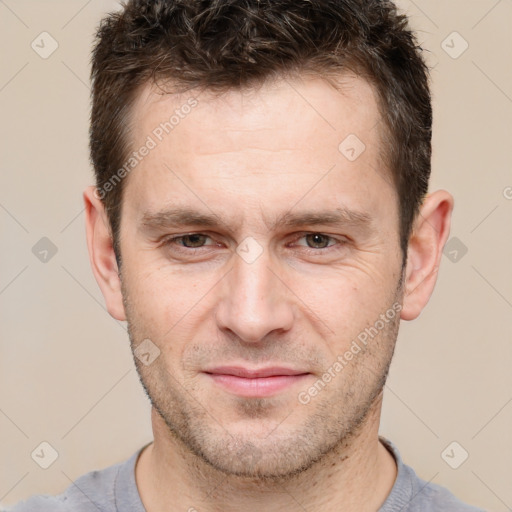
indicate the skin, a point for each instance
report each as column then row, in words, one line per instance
column 249, row 157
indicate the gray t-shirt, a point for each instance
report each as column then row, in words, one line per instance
column 114, row 490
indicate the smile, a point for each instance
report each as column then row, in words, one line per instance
column 255, row 383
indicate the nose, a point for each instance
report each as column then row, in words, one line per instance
column 255, row 301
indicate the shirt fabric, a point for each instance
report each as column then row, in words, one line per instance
column 114, row 489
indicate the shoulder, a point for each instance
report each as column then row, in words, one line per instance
column 434, row 498
column 412, row 494
column 89, row 493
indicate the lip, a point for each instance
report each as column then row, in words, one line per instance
column 254, row 383
column 240, row 371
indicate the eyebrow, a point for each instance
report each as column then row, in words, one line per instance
column 180, row 217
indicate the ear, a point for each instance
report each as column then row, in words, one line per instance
column 429, row 234
column 101, row 253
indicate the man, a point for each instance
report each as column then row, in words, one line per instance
column 261, row 220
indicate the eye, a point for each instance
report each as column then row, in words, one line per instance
column 192, row 241
column 320, row 245
column 317, row 240
column 187, row 243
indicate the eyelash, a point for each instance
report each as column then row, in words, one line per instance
column 192, row 250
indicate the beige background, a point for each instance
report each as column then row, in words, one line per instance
column 66, row 373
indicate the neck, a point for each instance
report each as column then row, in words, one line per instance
column 356, row 475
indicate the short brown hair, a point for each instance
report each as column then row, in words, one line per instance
column 228, row 44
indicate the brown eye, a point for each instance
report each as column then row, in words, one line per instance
column 188, row 242
column 193, row 241
column 317, row 240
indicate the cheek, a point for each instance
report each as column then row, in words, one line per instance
column 346, row 290
column 148, row 305
column 343, row 304
column 165, row 308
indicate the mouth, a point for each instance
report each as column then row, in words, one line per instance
column 255, row 383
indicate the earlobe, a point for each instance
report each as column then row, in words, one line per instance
column 430, row 232
column 101, row 253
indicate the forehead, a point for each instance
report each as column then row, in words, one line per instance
column 266, row 146
column 290, row 106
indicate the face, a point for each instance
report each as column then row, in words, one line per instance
column 260, row 247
